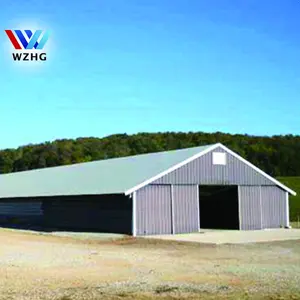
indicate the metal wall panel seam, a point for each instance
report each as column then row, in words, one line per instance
column 172, row 209
column 261, row 209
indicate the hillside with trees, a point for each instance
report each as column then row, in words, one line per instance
column 277, row 155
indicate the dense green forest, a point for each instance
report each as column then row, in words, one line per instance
column 277, row 155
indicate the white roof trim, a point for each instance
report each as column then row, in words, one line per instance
column 137, row 187
column 259, row 170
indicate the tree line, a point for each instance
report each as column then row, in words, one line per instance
column 277, row 155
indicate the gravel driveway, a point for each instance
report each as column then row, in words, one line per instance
column 50, row 267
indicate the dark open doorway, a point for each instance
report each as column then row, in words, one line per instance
column 219, row 208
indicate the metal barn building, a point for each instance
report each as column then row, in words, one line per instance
column 158, row 193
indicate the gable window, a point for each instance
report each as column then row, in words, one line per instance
column 219, row 158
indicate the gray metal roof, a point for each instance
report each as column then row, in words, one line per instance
column 110, row 176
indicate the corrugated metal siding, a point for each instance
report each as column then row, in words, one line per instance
column 185, row 207
column 202, row 171
column 18, row 208
column 153, row 210
column 250, row 207
column 273, row 207
column 105, row 213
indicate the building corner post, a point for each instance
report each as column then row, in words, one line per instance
column 287, row 210
column 134, row 213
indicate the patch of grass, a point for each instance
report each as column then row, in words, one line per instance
column 295, row 225
column 294, row 184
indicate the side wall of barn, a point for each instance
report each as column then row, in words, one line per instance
column 103, row 213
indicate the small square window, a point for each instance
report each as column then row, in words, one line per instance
column 219, row 158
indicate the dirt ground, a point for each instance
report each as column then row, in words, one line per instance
column 49, row 267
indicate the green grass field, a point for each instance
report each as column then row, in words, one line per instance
column 294, row 184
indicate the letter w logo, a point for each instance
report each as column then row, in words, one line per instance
column 28, row 41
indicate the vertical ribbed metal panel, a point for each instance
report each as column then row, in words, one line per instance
column 250, row 207
column 203, row 171
column 185, row 205
column 153, row 210
column 273, row 207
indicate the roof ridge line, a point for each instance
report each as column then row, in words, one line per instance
column 174, row 167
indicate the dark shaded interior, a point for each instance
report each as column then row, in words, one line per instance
column 219, row 207
column 92, row 213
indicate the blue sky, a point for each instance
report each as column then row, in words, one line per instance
column 119, row 66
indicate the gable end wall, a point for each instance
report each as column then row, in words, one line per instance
column 202, row 171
